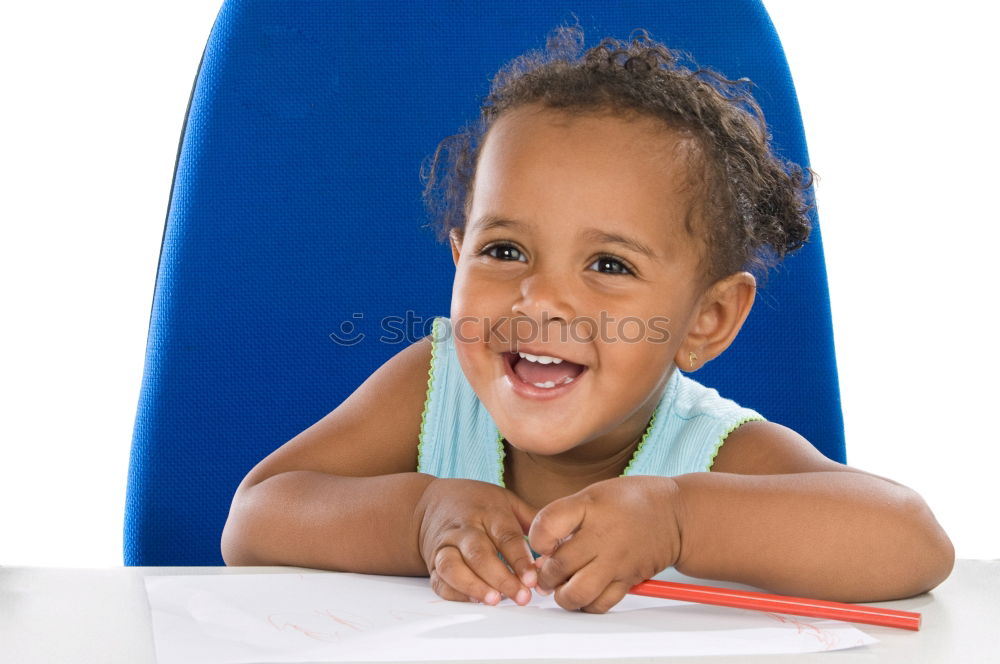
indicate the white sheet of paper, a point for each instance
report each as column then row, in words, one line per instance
column 243, row 618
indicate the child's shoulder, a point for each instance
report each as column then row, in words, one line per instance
column 374, row 431
column 768, row 448
column 384, row 413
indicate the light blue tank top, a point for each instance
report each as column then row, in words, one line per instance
column 458, row 438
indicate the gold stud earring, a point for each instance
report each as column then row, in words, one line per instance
column 692, row 359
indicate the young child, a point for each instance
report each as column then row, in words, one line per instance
column 604, row 216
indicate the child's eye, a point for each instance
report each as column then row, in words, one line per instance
column 504, row 252
column 610, row 265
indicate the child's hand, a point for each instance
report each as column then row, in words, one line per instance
column 463, row 525
column 599, row 542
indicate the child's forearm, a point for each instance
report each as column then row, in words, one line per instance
column 312, row 519
column 844, row 536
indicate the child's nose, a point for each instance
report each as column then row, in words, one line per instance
column 544, row 296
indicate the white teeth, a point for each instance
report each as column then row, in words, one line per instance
column 547, row 384
column 541, row 359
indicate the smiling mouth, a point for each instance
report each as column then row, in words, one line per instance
column 544, row 376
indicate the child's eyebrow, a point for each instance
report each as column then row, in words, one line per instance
column 599, row 235
column 489, row 222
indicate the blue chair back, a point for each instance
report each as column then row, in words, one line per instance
column 296, row 214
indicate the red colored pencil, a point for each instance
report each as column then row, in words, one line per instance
column 747, row 599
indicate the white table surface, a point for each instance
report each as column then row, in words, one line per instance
column 84, row 616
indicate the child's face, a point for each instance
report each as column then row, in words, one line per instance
column 565, row 181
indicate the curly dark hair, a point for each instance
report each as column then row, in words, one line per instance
column 751, row 205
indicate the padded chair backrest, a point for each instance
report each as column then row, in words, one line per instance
column 296, row 214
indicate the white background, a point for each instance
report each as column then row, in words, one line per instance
column 899, row 103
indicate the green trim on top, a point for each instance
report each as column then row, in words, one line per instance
column 503, row 457
column 722, row 438
column 638, row 448
column 435, row 348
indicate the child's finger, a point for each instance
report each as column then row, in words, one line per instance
column 524, row 512
column 568, row 560
column 445, row 591
column 515, row 551
column 480, row 554
column 452, row 578
column 591, row 588
column 555, row 522
column 612, row 594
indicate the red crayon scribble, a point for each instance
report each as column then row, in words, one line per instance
column 342, row 621
column 316, row 624
column 828, row 641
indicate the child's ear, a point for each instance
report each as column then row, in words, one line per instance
column 455, row 238
column 721, row 313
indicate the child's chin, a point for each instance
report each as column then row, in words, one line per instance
column 535, row 443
